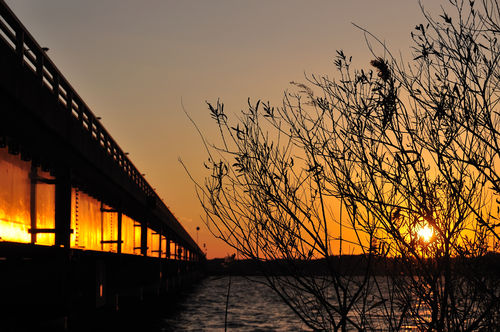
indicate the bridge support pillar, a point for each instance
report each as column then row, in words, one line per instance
column 119, row 235
column 63, row 207
column 167, row 249
column 144, row 239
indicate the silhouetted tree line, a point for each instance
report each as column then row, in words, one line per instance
column 488, row 265
column 397, row 163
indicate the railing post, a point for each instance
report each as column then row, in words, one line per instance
column 91, row 125
column 63, row 207
column 20, row 45
column 39, row 67
column 55, row 86
column 69, row 101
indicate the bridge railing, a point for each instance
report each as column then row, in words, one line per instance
column 33, row 56
column 36, row 59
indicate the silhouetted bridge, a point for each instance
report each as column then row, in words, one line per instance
column 80, row 227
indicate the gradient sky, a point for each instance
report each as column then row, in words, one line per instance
column 132, row 61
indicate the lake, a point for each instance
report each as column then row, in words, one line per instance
column 252, row 306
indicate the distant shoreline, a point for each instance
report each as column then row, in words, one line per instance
column 347, row 265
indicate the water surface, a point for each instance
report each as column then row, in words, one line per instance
column 252, row 306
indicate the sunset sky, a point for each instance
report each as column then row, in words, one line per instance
column 134, row 61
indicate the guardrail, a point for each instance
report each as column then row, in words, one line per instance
column 34, row 57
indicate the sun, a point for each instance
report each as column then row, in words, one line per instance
column 425, row 233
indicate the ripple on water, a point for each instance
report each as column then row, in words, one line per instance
column 252, row 307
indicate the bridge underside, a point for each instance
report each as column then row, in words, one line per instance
column 48, row 283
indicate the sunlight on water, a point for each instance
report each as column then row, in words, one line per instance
column 253, row 307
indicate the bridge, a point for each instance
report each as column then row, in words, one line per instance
column 80, row 227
